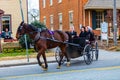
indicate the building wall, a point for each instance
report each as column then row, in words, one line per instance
column 12, row 7
column 76, row 6
column 82, row 15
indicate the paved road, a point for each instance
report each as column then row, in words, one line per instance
column 106, row 68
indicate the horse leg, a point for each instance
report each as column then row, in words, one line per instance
column 68, row 60
column 63, row 54
column 59, row 64
column 41, row 51
column 45, row 61
column 38, row 59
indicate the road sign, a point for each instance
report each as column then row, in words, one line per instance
column 104, row 27
column 104, row 31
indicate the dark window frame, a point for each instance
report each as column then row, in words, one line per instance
column 97, row 18
column 10, row 23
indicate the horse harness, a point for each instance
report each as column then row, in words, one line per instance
column 38, row 36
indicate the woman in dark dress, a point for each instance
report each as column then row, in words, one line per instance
column 82, row 37
column 82, row 33
column 89, row 34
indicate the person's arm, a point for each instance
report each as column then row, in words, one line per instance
column 10, row 33
column 80, row 34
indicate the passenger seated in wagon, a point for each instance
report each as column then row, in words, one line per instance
column 87, row 35
column 73, row 33
column 82, row 37
column 82, row 32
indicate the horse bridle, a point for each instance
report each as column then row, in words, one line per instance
column 20, row 29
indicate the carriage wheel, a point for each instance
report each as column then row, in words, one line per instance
column 58, row 55
column 88, row 54
column 96, row 51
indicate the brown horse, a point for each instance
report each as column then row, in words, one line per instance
column 44, row 40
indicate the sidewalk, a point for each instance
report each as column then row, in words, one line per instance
column 17, row 62
column 8, row 63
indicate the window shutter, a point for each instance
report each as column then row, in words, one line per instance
column 94, row 20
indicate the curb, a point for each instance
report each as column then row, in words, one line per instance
column 9, row 65
column 20, row 64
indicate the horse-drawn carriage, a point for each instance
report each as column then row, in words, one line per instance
column 44, row 40
column 80, row 46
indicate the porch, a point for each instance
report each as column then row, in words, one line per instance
column 98, row 11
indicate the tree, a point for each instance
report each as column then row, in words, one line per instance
column 33, row 15
column 38, row 24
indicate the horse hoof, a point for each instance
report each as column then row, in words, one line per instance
column 43, row 65
column 44, row 69
column 68, row 64
column 58, row 67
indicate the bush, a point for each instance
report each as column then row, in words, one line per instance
column 22, row 41
column 36, row 24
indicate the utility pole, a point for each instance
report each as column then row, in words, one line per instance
column 20, row 1
column 114, row 23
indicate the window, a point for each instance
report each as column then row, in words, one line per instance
column 70, row 18
column 44, row 20
column 51, row 22
column 6, row 22
column 59, row 1
column 44, row 3
column 60, row 21
column 99, row 18
column 51, row 2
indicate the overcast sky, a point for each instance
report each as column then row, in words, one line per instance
column 33, row 4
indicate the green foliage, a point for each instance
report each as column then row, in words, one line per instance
column 16, row 53
column 118, row 49
column 22, row 41
column 38, row 24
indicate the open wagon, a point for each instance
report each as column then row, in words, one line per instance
column 78, row 47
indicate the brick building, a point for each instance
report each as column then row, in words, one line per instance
column 62, row 14
column 98, row 11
